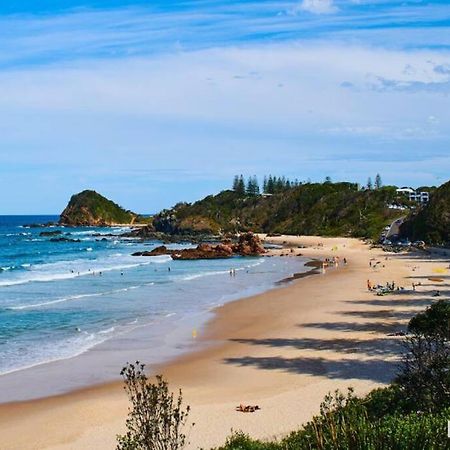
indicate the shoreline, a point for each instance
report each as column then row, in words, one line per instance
column 288, row 346
column 154, row 342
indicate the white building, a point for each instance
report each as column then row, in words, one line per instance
column 413, row 195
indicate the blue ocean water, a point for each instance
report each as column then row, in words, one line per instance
column 60, row 299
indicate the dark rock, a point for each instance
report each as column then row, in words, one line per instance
column 50, row 233
column 247, row 245
column 39, row 225
column 158, row 251
column 64, row 239
column 204, row 251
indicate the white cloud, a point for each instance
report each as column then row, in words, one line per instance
column 221, row 111
column 318, row 6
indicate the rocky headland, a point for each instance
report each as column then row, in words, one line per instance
column 89, row 208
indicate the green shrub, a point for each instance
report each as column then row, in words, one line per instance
column 155, row 419
column 434, row 321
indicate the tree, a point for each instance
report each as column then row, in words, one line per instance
column 369, row 184
column 236, row 183
column 378, row 182
column 434, row 321
column 270, row 185
column 424, row 372
column 327, row 180
column 155, row 418
column 240, row 187
column 255, row 185
column 265, row 184
column 252, row 186
column 424, row 376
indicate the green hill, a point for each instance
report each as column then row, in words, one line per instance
column 432, row 222
column 88, row 208
column 328, row 209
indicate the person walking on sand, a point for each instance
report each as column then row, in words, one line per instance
column 369, row 285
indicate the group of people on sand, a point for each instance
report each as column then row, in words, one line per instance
column 383, row 289
column 247, row 408
column 334, row 261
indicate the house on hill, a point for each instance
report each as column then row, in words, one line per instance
column 413, row 195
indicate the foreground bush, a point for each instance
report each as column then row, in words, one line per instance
column 409, row 414
column 344, row 424
column 155, row 418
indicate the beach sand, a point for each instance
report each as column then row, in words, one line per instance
column 282, row 350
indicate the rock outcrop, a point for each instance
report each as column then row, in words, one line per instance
column 88, row 208
column 204, row 251
column 248, row 244
column 158, row 251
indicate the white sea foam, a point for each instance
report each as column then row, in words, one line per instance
column 220, row 272
column 107, row 331
column 54, row 351
column 64, row 270
column 75, row 297
column 204, row 274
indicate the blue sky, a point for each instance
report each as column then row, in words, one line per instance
column 155, row 102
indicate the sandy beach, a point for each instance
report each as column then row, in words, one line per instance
column 282, row 350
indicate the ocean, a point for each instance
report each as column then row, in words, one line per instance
column 64, row 298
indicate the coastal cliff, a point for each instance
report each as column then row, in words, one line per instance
column 89, row 208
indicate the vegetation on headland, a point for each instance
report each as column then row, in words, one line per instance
column 89, row 208
column 411, row 413
column 282, row 206
column 327, row 209
column 432, row 222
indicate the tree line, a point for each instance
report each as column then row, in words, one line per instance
column 271, row 185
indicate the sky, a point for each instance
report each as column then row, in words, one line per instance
column 155, row 102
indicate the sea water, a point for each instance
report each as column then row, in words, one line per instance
column 63, row 299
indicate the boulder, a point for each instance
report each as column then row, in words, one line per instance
column 204, row 251
column 158, row 251
column 248, row 245
column 50, row 233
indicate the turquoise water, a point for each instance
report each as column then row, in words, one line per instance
column 60, row 299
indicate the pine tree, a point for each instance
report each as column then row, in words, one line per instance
column 278, row 185
column 270, row 185
column 241, row 186
column 255, row 185
column 265, row 184
column 369, row 184
column 378, row 182
column 328, row 180
column 236, row 183
column 249, row 190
